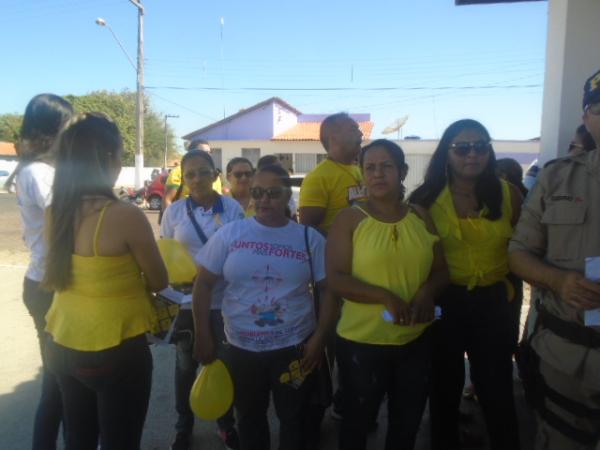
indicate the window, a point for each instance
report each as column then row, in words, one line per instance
column 252, row 154
column 217, row 156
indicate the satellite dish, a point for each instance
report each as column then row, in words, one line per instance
column 395, row 126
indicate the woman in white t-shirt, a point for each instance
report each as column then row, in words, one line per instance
column 44, row 117
column 268, row 310
column 192, row 221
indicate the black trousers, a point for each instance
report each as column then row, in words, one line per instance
column 256, row 375
column 186, row 368
column 480, row 323
column 104, row 393
column 367, row 372
column 49, row 411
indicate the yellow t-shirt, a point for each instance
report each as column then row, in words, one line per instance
column 395, row 256
column 174, row 181
column 333, row 186
column 476, row 249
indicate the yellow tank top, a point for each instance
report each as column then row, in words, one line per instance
column 396, row 256
column 106, row 302
column 476, row 249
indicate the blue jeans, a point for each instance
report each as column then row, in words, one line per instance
column 105, row 393
column 186, row 368
column 369, row 371
column 49, row 411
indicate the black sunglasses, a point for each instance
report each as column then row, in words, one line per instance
column 247, row 174
column 272, row 192
column 464, row 148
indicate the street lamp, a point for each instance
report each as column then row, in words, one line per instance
column 167, row 116
column 139, row 110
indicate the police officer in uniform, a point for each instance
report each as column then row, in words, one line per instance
column 559, row 228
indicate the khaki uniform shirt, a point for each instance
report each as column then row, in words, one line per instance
column 560, row 223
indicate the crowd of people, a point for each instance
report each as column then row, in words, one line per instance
column 392, row 290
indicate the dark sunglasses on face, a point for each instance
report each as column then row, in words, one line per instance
column 247, row 174
column 272, row 192
column 464, row 148
column 200, row 173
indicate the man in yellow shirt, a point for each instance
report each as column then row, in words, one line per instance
column 174, row 179
column 336, row 182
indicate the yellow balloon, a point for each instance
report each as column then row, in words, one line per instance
column 212, row 392
column 179, row 263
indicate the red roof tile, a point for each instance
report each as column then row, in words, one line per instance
column 7, row 149
column 309, row 131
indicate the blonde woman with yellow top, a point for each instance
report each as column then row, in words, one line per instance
column 102, row 261
column 384, row 259
column 474, row 212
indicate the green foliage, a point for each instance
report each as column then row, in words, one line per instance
column 10, row 124
column 120, row 106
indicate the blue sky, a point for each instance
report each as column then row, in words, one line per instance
column 427, row 59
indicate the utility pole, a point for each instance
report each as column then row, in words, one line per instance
column 139, row 110
column 167, row 116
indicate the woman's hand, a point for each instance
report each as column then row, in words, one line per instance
column 422, row 307
column 312, row 353
column 204, row 348
column 398, row 308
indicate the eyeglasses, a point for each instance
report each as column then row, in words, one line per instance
column 247, row 174
column 593, row 109
column 200, row 173
column 464, row 148
column 272, row 192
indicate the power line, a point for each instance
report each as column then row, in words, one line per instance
column 346, row 89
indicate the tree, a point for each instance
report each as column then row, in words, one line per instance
column 10, row 125
column 120, row 106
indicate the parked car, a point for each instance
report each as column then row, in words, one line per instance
column 155, row 191
column 297, row 180
column 4, row 174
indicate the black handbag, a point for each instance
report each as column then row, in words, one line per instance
column 322, row 394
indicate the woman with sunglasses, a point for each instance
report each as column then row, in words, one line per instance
column 239, row 175
column 267, row 262
column 102, row 261
column 474, row 212
column 384, row 259
column 192, row 221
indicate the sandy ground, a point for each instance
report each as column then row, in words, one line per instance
column 20, row 368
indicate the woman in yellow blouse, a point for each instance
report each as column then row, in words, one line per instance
column 102, row 261
column 474, row 212
column 384, row 260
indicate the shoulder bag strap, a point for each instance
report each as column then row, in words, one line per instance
column 190, row 213
column 313, row 286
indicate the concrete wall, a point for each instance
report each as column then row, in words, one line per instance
column 418, row 153
column 283, row 119
column 572, row 55
column 256, row 124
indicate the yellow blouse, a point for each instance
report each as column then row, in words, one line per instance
column 106, row 302
column 396, row 256
column 476, row 249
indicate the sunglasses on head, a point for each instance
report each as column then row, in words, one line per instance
column 246, row 173
column 272, row 192
column 464, row 148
